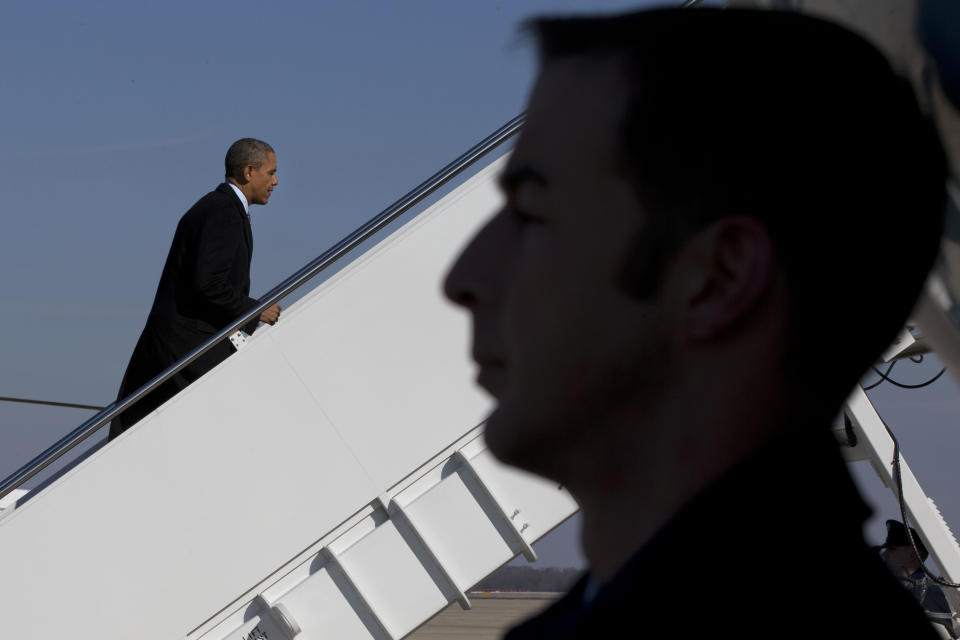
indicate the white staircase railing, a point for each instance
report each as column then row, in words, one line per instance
column 330, row 477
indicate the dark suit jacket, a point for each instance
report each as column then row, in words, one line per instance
column 773, row 550
column 204, row 286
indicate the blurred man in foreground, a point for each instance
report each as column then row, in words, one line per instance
column 694, row 206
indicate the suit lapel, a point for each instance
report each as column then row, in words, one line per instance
column 248, row 234
column 245, row 218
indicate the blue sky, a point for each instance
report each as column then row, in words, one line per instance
column 115, row 118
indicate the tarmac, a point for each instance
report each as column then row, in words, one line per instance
column 491, row 615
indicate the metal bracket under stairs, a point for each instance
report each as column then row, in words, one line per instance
column 516, row 535
column 412, row 550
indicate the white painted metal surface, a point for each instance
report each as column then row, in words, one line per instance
column 875, row 445
column 411, row 554
column 10, row 500
column 330, row 477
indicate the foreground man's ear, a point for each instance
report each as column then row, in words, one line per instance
column 730, row 267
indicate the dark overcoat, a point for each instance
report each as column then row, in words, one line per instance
column 204, row 286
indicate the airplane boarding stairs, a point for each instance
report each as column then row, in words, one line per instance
column 329, row 480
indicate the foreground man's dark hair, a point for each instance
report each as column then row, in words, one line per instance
column 797, row 123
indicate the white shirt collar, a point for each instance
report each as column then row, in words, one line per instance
column 243, row 198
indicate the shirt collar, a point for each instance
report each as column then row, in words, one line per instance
column 243, row 198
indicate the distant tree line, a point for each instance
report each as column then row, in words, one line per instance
column 512, row 578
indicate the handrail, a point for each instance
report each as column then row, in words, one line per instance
column 283, row 289
column 51, row 403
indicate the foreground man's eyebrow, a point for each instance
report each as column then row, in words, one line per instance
column 512, row 178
